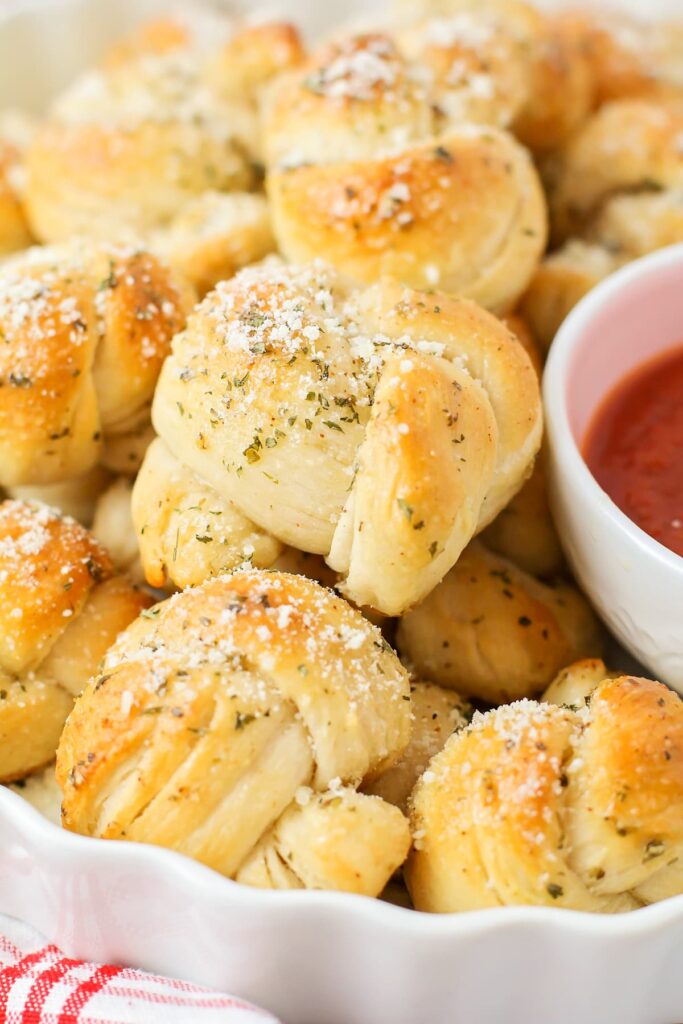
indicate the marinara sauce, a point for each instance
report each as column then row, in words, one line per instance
column 634, row 447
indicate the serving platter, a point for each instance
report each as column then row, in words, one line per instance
column 310, row 957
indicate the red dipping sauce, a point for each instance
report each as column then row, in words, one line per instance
column 634, row 447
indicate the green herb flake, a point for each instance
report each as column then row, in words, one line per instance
column 95, row 570
column 655, row 848
column 441, row 153
column 405, row 508
column 110, row 281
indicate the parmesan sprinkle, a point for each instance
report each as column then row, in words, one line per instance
column 338, row 659
column 48, row 563
column 362, row 68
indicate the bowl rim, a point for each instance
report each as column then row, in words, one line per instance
column 565, row 447
column 189, row 879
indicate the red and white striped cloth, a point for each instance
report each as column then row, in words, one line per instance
column 39, row 985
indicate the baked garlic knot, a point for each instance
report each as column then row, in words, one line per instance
column 233, row 723
column 505, row 62
column 76, row 497
column 128, row 147
column 577, row 806
column 628, row 57
column 629, row 149
column 436, row 714
column 112, row 524
column 61, row 607
column 14, row 230
column 492, row 631
column 235, row 57
column 368, row 170
column 616, row 193
column 85, row 331
column 162, row 140
column 567, row 62
column 214, row 236
column 380, row 428
column 524, row 531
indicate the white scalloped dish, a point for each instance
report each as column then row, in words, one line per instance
column 329, row 958
column 310, row 957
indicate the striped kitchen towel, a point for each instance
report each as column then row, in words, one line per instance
column 39, row 985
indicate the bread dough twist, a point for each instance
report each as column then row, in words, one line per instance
column 576, row 805
column 170, row 116
column 128, row 148
column 492, row 631
column 14, row 229
column 369, row 169
column 218, row 712
column 61, row 607
column 628, row 147
column 437, row 713
column 616, row 193
column 381, row 428
column 85, row 331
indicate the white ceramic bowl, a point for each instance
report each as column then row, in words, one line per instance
column 635, row 583
column 330, row 958
column 313, row 958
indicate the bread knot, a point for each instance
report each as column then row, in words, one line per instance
column 573, row 805
column 388, row 156
column 217, row 709
column 85, row 330
column 378, row 427
column 61, row 606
